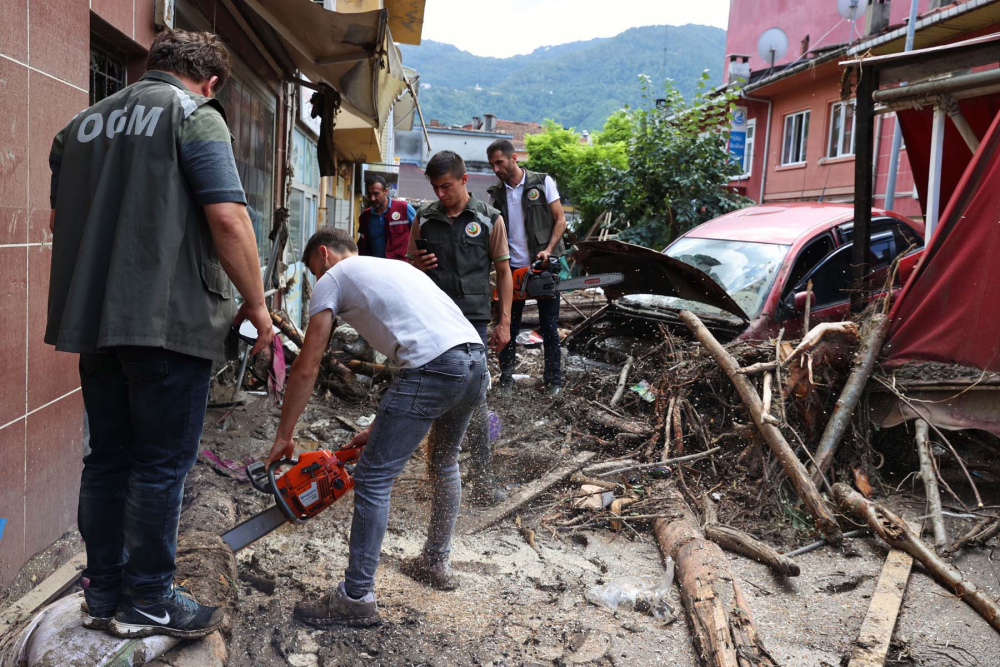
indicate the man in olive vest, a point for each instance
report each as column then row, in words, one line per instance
column 530, row 204
column 456, row 240
column 149, row 223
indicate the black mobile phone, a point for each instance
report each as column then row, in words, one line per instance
column 422, row 244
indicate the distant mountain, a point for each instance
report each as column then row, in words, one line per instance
column 578, row 84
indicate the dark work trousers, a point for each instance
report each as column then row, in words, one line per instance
column 548, row 326
column 146, row 407
column 478, row 433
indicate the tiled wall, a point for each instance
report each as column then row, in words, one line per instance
column 44, row 74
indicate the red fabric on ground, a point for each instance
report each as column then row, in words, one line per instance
column 949, row 310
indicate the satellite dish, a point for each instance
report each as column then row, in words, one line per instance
column 850, row 9
column 772, row 45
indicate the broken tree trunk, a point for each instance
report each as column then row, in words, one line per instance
column 864, row 363
column 929, row 478
column 804, row 486
column 724, row 633
column 897, row 534
column 739, row 542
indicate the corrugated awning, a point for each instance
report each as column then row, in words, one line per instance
column 351, row 52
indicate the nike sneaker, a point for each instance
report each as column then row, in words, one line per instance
column 177, row 615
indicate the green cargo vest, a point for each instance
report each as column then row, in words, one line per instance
column 132, row 256
column 462, row 247
column 538, row 222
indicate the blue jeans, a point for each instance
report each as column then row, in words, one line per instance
column 146, row 408
column 548, row 327
column 443, row 393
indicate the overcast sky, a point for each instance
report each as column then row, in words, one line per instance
column 504, row 28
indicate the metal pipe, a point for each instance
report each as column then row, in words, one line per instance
column 936, row 87
column 958, row 118
column 767, row 141
column 934, row 173
column 897, row 135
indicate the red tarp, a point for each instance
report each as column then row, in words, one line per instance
column 949, row 310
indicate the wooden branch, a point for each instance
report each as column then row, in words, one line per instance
column 746, row 545
column 287, row 329
column 817, row 334
column 579, row 478
column 760, row 367
column 864, row 363
column 529, row 492
column 809, row 298
column 609, row 421
column 722, row 627
column 980, row 532
column 804, row 486
column 765, row 412
column 929, row 478
column 679, row 459
column 897, row 534
column 622, row 381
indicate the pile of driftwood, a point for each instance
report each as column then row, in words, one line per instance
column 779, row 411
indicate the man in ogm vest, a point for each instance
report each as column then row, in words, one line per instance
column 530, row 204
column 385, row 225
column 456, row 240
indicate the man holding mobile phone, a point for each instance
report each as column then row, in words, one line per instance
column 456, row 240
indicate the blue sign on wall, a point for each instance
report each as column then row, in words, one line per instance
column 738, row 135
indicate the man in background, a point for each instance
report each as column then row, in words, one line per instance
column 457, row 240
column 529, row 202
column 384, row 227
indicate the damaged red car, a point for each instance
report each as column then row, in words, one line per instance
column 746, row 273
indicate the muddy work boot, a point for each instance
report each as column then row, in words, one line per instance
column 339, row 608
column 505, row 386
column 437, row 575
column 177, row 615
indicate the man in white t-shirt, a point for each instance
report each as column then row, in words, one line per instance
column 529, row 202
column 443, row 378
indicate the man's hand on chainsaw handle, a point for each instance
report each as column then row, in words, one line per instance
column 283, row 448
column 543, row 257
column 360, row 440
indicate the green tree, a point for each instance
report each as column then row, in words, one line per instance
column 580, row 169
column 677, row 169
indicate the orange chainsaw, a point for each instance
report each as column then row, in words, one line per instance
column 315, row 481
column 534, row 282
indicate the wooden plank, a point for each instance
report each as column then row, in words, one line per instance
column 45, row 592
column 872, row 644
column 528, row 492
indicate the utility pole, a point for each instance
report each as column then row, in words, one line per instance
column 897, row 135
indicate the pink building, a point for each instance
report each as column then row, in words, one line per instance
column 800, row 144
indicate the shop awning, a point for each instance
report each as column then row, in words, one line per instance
column 352, row 52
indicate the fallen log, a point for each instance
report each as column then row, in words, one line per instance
column 607, row 420
column 739, row 542
column 804, row 486
column 929, row 478
column 897, row 534
column 864, row 363
column 722, row 627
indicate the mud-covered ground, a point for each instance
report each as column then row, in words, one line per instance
column 519, row 607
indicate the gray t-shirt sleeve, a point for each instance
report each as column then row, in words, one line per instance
column 325, row 296
column 206, row 154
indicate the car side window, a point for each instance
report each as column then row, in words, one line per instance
column 810, row 256
column 903, row 235
column 832, row 277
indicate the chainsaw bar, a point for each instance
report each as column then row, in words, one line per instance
column 254, row 528
column 584, row 282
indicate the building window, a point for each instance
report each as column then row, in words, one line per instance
column 748, row 149
column 107, row 74
column 841, row 142
column 796, row 133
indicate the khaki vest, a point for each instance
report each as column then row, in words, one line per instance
column 462, row 247
column 538, row 222
column 132, row 256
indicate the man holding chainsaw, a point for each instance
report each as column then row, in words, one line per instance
column 456, row 240
column 443, row 380
column 530, row 204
